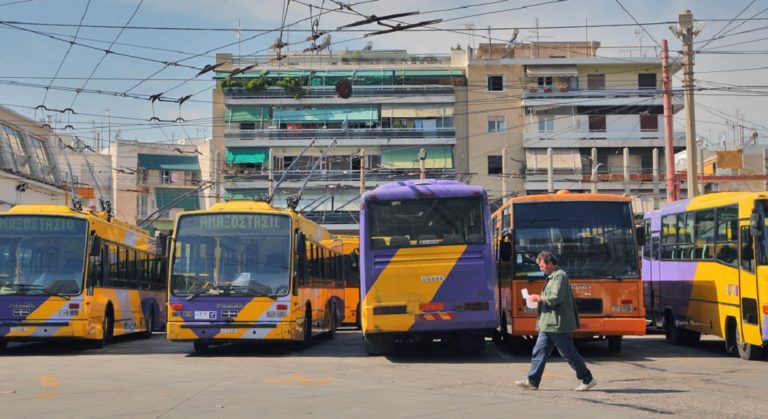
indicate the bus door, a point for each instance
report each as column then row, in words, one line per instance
column 748, row 289
column 656, row 305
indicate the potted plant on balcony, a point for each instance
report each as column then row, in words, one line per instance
column 533, row 89
column 548, row 89
column 293, row 85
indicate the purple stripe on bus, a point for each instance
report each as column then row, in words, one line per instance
column 380, row 261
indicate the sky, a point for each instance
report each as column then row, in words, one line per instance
column 53, row 62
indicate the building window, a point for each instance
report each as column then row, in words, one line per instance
column 649, row 122
column 494, row 165
column 40, row 151
column 13, row 142
column 546, row 123
column 646, row 81
column 495, row 83
column 544, row 82
column 497, row 124
column 597, row 123
column 595, row 81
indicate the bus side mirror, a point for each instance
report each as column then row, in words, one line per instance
column 95, row 245
column 640, row 234
column 505, row 248
column 754, row 225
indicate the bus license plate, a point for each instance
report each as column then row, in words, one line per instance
column 205, row 315
column 18, row 329
column 229, row 330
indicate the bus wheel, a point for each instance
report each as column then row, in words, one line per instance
column 378, row 345
column 730, row 337
column 357, row 318
column 614, row 344
column 200, row 346
column 747, row 350
column 150, row 323
column 107, row 329
column 331, row 322
column 3, row 345
column 307, row 325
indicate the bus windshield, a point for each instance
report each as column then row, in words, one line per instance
column 232, row 255
column 41, row 255
column 591, row 239
column 425, row 222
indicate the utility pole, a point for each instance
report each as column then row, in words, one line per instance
column 687, row 33
column 550, row 171
column 362, row 171
column 595, row 166
column 504, row 178
column 626, row 170
column 669, row 145
column 270, row 173
column 422, row 163
column 655, row 156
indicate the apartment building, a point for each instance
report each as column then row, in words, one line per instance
column 594, row 119
column 153, row 182
column 293, row 115
column 29, row 170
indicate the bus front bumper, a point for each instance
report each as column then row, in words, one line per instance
column 590, row 327
column 32, row 330
column 232, row 331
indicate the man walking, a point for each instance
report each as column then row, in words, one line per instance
column 557, row 319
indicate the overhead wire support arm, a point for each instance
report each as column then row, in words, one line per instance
column 400, row 27
column 288, row 169
column 155, row 215
column 293, row 202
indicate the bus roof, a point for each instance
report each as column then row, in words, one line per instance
column 427, row 188
column 569, row 196
column 711, row 200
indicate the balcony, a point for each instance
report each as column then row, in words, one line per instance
column 167, row 181
column 325, row 92
column 610, row 138
column 331, row 176
column 301, row 136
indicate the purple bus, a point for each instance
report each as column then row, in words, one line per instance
column 703, row 261
column 427, row 270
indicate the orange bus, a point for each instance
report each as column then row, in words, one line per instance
column 594, row 237
column 351, row 250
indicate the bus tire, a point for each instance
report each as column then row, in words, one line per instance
column 332, row 322
column 671, row 332
column 358, row 323
column 747, row 350
column 149, row 323
column 200, row 346
column 614, row 344
column 107, row 328
column 730, row 337
column 3, row 345
column 307, row 325
column 378, row 345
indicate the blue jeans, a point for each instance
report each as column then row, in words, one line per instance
column 545, row 343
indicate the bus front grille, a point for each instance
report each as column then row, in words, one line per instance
column 589, row 305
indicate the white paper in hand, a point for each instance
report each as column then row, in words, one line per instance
column 528, row 302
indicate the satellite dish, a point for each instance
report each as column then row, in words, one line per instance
column 344, row 88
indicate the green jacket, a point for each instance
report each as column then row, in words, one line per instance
column 558, row 314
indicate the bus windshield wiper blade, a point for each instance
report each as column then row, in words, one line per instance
column 253, row 291
column 200, row 292
column 41, row 288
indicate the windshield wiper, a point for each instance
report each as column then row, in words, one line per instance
column 42, row 288
column 252, row 291
column 200, row 292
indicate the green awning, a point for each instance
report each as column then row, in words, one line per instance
column 164, row 197
column 326, row 114
column 242, row 155
column 408, row 158
column 246, row 114
column 161, row 162
column 432, row 73
column 240, row 194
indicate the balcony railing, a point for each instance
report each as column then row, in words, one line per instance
column 329, row 176
column 323, row 133
column 154, row 181
column 330, row 92
column 565, row 93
